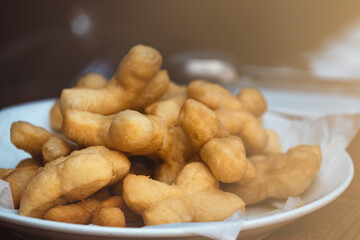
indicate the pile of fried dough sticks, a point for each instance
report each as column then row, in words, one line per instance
column 141, row 150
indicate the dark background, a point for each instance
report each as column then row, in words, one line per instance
column 40, row 54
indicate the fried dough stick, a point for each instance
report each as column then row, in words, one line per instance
column 88, row 80
column 136, row 69
column 128, row 131
column 40, row 143
column 78, row 213
column 224, row 154
column 18, row 178
column 279, row 175
column 160, row 203
column 216, row 97
column 113, row 212
column 72, row 178
column 176, row 149
column 131, row 132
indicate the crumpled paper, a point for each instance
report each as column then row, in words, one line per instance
column 6, row 200
column 333, row 133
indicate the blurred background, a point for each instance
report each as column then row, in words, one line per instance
column 46, row 45
column 304, row 55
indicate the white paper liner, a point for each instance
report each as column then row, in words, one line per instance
column 6, row 200
column 333, row 133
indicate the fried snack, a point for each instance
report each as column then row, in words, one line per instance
column 29, row 138
column 128, row 131
column 224, row 154
column 226, row 158
column 215, row 97
column 72, row 178
column 207, row 206
column 109, row 217
column 176, row 148
column 113, row 212
column 253, row 101
column 160, row 203
column 168, row 107
column 247, row 127
column 88, row 80
column 199, row 123
column 80, row 212
column 4, row 172
column 175, row 152
column 279, row 175
column 154, row 90
column 37, row 141
column 132, row 132
column 273, row 144
column 18, row 178
column 54, row 148
column 140, row 192
column 135, row 71
column 29, row 162
column 55, row 116
column 91, row 80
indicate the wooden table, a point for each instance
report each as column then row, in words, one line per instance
column 338, row 220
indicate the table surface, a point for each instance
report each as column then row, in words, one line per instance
column 338, row 220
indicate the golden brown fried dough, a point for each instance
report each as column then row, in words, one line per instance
column 140, row 192
column 161, row 203
column 55, row 116
column 109, row 217
column 279, row 175
column 37, row 141
column 199, row 123
column 154, row 90
column 168, row 107
column 80, row 212
column 110, row 213
column 253, row 101
column 72, row 178
column 213, row 95
column 91, row 80
column 216, row 97
column 226, row 158
column 29, row 138
column 176, row 149
column 175, row 152
column 128, row 131
column 224, row 154
column 247, row 127
column 104, row 217
column 29, row 162
column 4, row 172
column 88, row 80
column 206, row 206
column 136, row 69
column 273, row 145
column 18, row 178
column 54, row 148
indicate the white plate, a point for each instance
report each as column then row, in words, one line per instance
column 318, row 195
